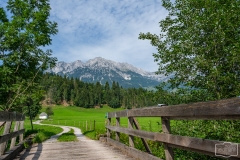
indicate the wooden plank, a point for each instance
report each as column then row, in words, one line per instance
column 193, row 144
column 11, row 116
column 221, row 109
column 109, row 131
column 130, row 126
column 137, row 133
column 135, row 122
column 136, row 154
column 13, row 141
column 166, row 129
column 118, row 114
column 12, row 153
column 117, row 133
column 20, row 128
column 7, row 128
column 183, row 142
column 8, row 136
column 227, row 107
column 229, row 117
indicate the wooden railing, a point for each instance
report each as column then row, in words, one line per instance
column 7, row 119
column 228, row 109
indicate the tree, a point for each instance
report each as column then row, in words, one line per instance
column 49, row 111
column 23, row 38
column 34, row 104
column 199, row 45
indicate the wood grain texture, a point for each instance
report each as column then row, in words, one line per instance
column 3, row 144
column 6, row 137
column 189, row 143
column 221, row 109
column 135, row 122
column 13, row 141
column 108, row 131
column 130, row 126
column 166, row 129
column 11, row 116
column 20, row 128
column 12, row 153
column 136, row 154
column 117, row 133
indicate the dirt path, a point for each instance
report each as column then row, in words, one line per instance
column 66, row 129
column 84, row 149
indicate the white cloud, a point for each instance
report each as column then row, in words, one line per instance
column 106, row 28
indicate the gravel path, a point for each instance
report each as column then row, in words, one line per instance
column 84, row 149
column 66, row 129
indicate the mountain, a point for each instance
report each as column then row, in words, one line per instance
column 102, row 70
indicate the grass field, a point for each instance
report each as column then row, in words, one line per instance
column 68, row 137
column 84, row 119
column 42, row 132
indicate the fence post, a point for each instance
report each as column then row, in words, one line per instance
column 166, row 129
column 130, row 126
column 7, row 128
column 117, row 133
column 108, row 130
column 86, row 126
column 94, row 125
column 135, row 122
column 13, row 141
column 21, row 127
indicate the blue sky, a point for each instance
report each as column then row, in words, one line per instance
column 105, row 28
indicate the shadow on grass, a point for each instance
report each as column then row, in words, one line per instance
column 40, row 135
column 88, row 132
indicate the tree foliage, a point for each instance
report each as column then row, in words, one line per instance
column 75, row 92
column 23, row 39
column 199, row 45
column 49, row 111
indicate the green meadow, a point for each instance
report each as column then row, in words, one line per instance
column 41, row 132
column 84, row 118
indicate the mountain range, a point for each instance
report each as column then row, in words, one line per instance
column 103, row 70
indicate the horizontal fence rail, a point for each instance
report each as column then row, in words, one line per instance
column 227, row 109
column 7, row 119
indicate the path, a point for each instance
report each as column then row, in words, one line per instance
column 84, row 149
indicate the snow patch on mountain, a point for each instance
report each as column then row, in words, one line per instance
column 103, row 70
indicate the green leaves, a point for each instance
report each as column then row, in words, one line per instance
column 198, row 43
column 22, row 41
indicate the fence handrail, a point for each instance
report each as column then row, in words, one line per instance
column 11, row 116
column 227, row 109
column 221, row 109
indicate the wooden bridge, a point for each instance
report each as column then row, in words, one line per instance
column 228, row 109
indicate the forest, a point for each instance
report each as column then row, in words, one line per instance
column 72, row 91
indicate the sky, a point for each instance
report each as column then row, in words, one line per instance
column 107, row 29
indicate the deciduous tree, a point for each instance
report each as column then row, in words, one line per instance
column 23, row 39
column 199, row 45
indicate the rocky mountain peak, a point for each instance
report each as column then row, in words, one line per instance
column 102, row 70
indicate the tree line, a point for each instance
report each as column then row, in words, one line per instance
column 59, row 90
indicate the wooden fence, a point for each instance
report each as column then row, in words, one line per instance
column 8, row 147
column 227, row 109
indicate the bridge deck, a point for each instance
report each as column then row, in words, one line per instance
column 84, row 149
